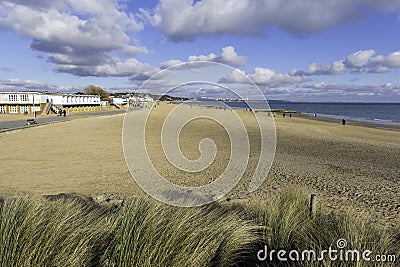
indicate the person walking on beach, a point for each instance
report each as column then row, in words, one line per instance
column 64, row 112
column 283, row 114
column 343, row 122
column 290, row 115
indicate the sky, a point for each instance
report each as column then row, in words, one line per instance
column 299, row 50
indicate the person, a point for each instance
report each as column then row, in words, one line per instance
column 343, row 122
column 290, row 115
column 283, row 114
column 64, row 112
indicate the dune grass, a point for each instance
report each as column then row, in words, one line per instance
column 153, row 234
column 39, row 232
column 287, row 224
column 73, row 231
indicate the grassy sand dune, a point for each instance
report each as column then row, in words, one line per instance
column 72, row 231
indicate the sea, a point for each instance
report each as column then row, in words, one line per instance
column 380, row 114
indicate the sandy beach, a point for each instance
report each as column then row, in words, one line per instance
column 346, row 166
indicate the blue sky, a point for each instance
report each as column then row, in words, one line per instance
column 342, row 50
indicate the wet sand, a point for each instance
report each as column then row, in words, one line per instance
column 346, row 166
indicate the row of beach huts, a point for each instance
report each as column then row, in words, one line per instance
column 40, row 103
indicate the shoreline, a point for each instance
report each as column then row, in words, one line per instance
column 352, row 122
column 320, row 117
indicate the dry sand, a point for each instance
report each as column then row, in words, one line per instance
column 82, row 156
column 346, row 166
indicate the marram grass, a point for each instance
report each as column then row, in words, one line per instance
column 73, row 231
column 153, row 234
column 38, row 232
column 286, row 224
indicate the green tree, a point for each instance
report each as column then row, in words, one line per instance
column 96, row 90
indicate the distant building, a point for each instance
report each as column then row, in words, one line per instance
column 131, row 101
column 28, row 102
column 119, row 101
column 148, row 98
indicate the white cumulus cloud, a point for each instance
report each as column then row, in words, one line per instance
column 17, row 85
column 360, row 58
column 228, row 56
column 130, row 68
column 392, row 60
column 74, row 33
column 187, row 19
column 362, row 61
column 262, row 77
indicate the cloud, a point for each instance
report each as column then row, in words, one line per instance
column 392, row 60
column 295, row 72
column 317, row 69
column 359, row 59
column 335, row 92
column 335, row 68
column 129, row 68
column 379, row 69
column 15, row 85
column 365, row 61
column 18, row 85
column 330, row 92
column 74, row 33
column 170, row 63
column 186, row 19
column 211, row 57
column 228, row 56
column 8, row 69
column 204, row 91
column 262, row 77
column 362, row 61
column 387, row 89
